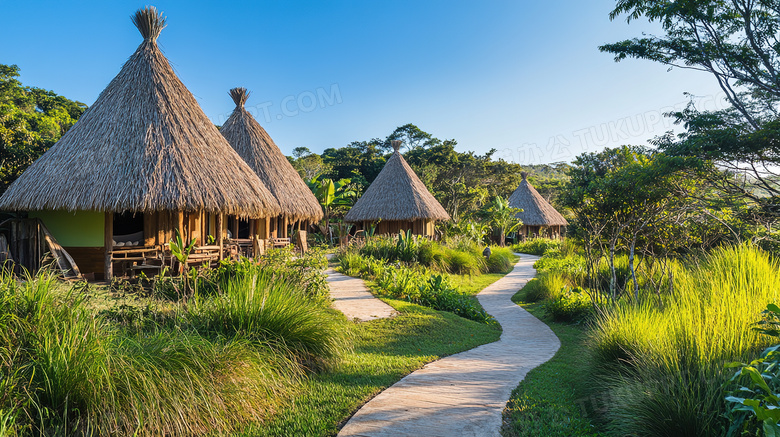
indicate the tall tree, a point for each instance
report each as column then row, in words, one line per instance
column 412, row 137
column 736, row 42
column 626, row 196
column 31, row 121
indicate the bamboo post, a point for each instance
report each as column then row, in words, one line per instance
column 220, row 240
column 108, row 244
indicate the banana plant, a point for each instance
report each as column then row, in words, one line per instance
column 332, row 195
column 502, row 217
column 180, row 251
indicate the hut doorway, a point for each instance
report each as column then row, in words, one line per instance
column 128, row 229
column 239, row 229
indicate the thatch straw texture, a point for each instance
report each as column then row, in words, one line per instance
column 536, row 210
column 396, row 194
column 144, row 145
column 257, row 148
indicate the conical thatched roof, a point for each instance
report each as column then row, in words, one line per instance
column 396, row 194
column 536, row 210
column 257, row 148
column 144, row 145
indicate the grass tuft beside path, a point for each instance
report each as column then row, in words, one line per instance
column 550, row 400
column 384, row 351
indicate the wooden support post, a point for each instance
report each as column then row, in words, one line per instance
column 108, row 244
column 160, row 217
column 180, row 225
column 149, row 224
column 220, row 240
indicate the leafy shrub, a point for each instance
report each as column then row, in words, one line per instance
column 500, row 260
column 753, row 400
column 403, row 247
column 439, row 294
column 571, row 267
column 433, row 291
column 305, row 270
column 434, row 255
column 533, row 292
column 546, row 285
column 569, row 306
column 538, row 246
column 415, row 284
column 352, row 264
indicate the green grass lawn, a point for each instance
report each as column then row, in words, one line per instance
column 472, row 285
column 384, row 351
column 550, row 400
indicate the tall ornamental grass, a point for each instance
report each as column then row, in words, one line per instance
column 663, row 364
column 66, row 371
column 272, row 312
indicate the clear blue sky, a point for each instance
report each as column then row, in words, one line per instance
column 522, row 77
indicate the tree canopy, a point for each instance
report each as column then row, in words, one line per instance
column 736, row 42
column 462, row 182
column 31, row 120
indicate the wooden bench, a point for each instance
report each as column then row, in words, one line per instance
column 280, row 242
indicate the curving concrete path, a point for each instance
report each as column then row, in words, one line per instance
column 465, row 394
column 351, row 297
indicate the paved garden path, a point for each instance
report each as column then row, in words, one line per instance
column 465, row 394
column 351, row 297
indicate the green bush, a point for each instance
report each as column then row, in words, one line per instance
column 569, row 306
column 753, row 399
column 403, row 247
column 304, row 270
column 538, row 246
column 434, row 255
column 677, row 395
column 546, row 285
column 439, row 294
column 533, row 291
column 415, row 284
column 500, row 260
column 572, row 267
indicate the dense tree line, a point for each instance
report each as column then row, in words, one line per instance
column 462, row 182
column 31, row 120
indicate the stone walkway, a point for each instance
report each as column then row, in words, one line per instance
column 465, row 394
column 352, row 298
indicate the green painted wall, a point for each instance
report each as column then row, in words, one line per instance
column 80, row 229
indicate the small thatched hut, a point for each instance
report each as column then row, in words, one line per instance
column 538, row 216
column 141, row 162
column 398, row 201
column 253, row 143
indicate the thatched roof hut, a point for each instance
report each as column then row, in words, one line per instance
column 398, row 199
column 257, row 148
column 144, row 145
column 141, row 163
column 537, row 212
